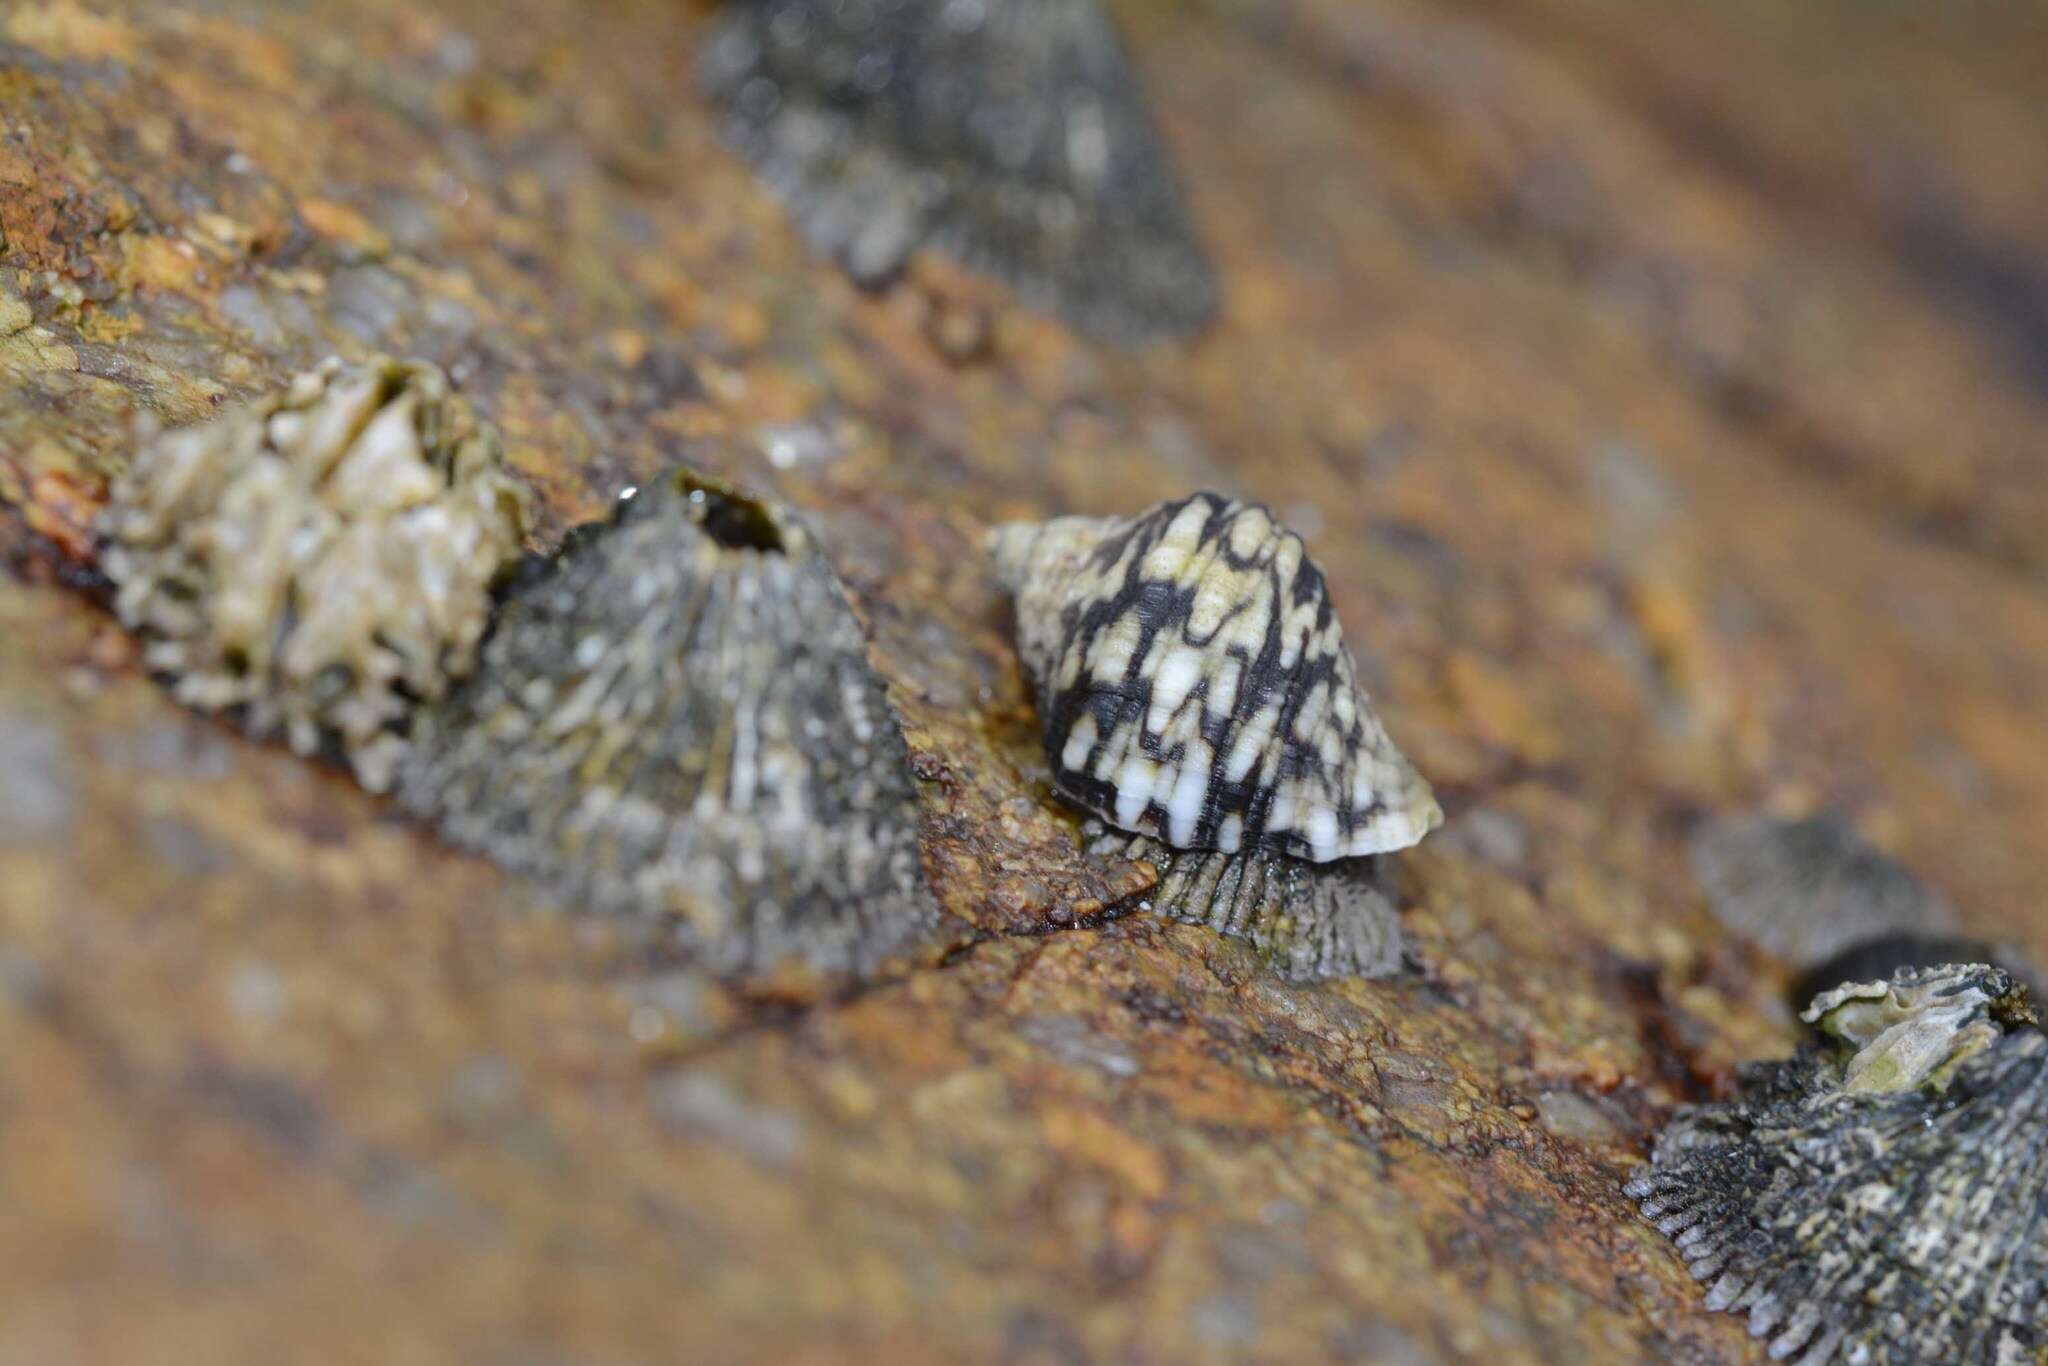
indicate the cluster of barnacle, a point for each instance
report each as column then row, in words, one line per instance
column 672, row 717
column 1878, row 1197
column 319, row 561
column 1011, row 133
column 1195, row 693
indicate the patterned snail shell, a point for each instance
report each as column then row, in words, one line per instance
column 1193, row 684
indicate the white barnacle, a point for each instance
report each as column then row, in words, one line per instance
column 321, row 559
column 1219, row 703
column 1876, row 1198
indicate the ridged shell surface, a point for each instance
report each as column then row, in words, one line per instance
column 1810, row 889
column 1193, row 684
column 1308, row 921
column 676, row 718
column 1011, row 133
column 1879, row 1199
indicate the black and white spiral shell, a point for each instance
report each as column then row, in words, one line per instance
column 1193, row 684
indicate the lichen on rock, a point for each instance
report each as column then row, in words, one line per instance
column 676, row 718
column 320, row 560
column 1877, row 1199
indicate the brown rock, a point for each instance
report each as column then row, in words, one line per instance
column 287, row 1080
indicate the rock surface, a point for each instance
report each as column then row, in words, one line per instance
column 1661, row 386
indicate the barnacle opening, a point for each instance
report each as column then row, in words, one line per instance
column 730, row 517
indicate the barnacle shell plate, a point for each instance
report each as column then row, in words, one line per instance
column 1877, row 1203
column 321, row 558
column 676, row 719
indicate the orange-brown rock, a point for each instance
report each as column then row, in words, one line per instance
column 1661, row 388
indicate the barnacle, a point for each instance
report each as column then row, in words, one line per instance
column 1876, row 1199
column 1012, row 133
column 321, row 559
column 1307, row 920
column 1193, row 684
column 1808, row 890
column 1869, row 959
column 676, row 718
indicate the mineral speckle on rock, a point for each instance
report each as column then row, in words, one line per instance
column 1877, row 1199
column 676, row 718
column 1807, row 890
column 1309, row 921
column 1193, row 684
column 321, row 559
column 1012, row 133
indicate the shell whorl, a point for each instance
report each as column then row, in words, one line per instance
column 1193, row 684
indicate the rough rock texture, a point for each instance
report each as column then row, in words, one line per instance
column 1662, row 379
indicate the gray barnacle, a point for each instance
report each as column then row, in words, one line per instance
column 1810, row 889
column 1877, row 1199
column 675, row 718
column 1193, row 684
column 1012, row 133
column 320, row 559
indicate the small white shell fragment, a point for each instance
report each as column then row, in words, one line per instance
column 321, row 559
column 1194, row 685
